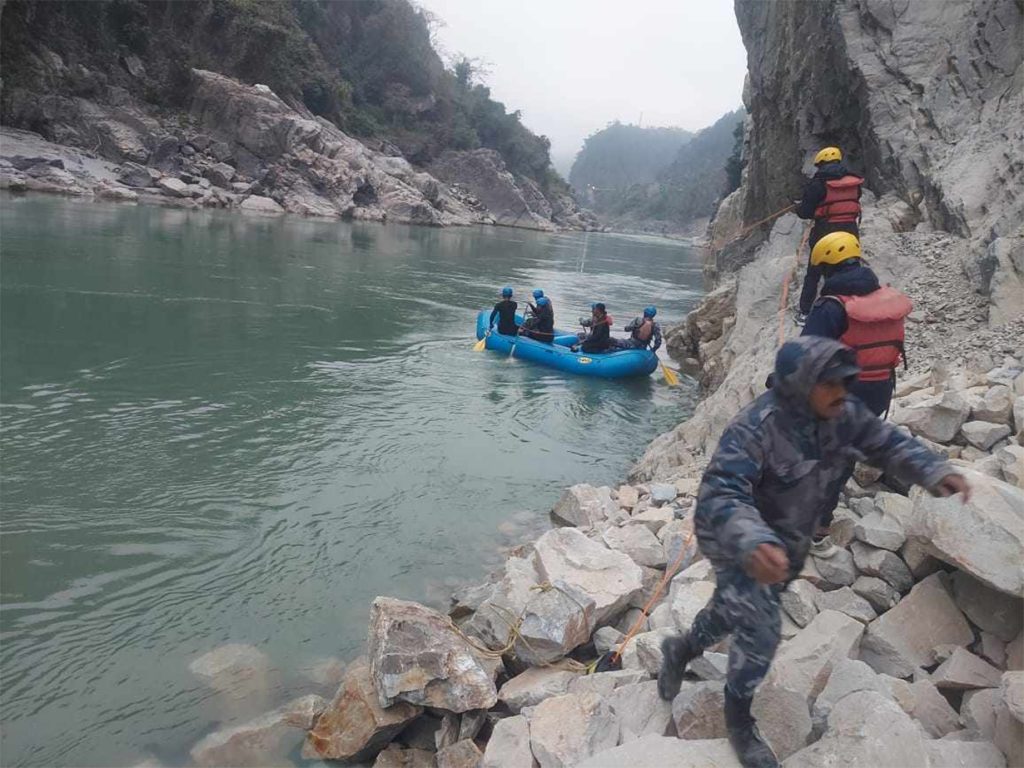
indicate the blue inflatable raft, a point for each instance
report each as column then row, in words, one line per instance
column 608, row 365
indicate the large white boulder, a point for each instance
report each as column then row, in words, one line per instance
column 666, row 752
column 565, row 730
column 556, row 619
column 610, row 578
column 937, row 418
column 640, row 711
column 984, row 536
column 585, row 506
column 638, row 542
column 509, row 745
column 533, row 686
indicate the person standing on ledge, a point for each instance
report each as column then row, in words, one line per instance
column 779, row 466
column 505, row 311
column 832, row 199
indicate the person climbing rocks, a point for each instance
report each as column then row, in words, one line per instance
column 599, row 338
column 542, row 324
column 643, row 332
column 505, row 311
column 856, row 310
column 778, row 467
column 832, row 199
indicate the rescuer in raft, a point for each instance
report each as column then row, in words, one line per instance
column 832, row 199
column 599, row 339
column 505, row 311
column 643, row 332
column 779, row 466
column 542, row 325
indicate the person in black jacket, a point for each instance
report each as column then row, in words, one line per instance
column 505, row 312
column 542, row 325
column 600, row 338
column 832, row 199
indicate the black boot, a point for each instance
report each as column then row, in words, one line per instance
column 751, row 749
column 676, row 653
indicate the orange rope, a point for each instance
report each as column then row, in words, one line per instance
column 784, row 300
column 716, row 246
column 669, row 573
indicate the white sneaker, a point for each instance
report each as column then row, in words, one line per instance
column 801, row 319
column 823, row 547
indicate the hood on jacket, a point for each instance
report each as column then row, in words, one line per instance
column 800, row 363
column 851, row 278
column 835, row 170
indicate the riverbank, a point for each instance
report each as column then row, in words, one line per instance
column 242, row 147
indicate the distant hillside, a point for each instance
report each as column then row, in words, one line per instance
column 682, row 191
column 621, row 155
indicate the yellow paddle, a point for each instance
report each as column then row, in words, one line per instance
column 479, row 346
column 670, row 376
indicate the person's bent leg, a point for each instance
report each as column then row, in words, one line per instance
column 710, row 625
column 754, row 612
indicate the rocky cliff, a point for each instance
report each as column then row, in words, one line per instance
column 328, row 109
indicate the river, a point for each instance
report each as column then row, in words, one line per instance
column 222, row 428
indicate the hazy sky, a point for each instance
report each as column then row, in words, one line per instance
column 573, row 66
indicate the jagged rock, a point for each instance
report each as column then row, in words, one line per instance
column 607, row 638
column 461, row 754
column 702, row 570
column 565, row 730
column 640, row 711
column 687, row 600
column 837, row 571
column 904, row 638
column 1008, row 735
column 880, row 531
column 965, row 670
column 894, row 506
column 654, row 520
column 848, row 676
column 232, row 667
column 1011, row 464
column 533, row 686
column 262, row 741
column 937, row 418
column 880, row 594
column 506, row 601
column 984, row 536
column 662, row 751
column 609, row 577
column 585, row 506
column 1011, row 691
column 920, row 563
column 798, row 674
column 710, row 666
column 865, row 728
column 842, row 530
column 644, row 651
column 662, row 493
column 882, row 563
column 471, row 724
column 629, row 497
column 509, row 745
column 698, row 711
column 416, row 656
column 136, row 175
column 394, row 756
column 220, row 174
column 963, row 754
column 978, row 711
column 173, row 187
column 995, row 406
column 992, row 649
column 603, row 683
column 931, row 710
column 354, row 725
column 993, row 611
column 638, row 542
column 984, row 434
column 674, row 537
column 555, row 621
column 800, row 601
column 258, row 204
column 448, row 732
column 1015, row 653
column 845, row 600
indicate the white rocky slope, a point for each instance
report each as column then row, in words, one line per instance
column 243, row 146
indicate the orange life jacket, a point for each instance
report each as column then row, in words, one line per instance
column 842, row 200
column 644, row 331
column 875, row 329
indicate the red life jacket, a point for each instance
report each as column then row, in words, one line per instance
column 644, row 331
column 842, row 200
column 875, row 329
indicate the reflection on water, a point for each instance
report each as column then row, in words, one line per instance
column 217, row 428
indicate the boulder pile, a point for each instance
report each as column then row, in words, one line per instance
column 905, row 647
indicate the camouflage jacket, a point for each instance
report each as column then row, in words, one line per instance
column 777, row 468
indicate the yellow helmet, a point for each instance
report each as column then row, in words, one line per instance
column 835, row 248
column 828, row 155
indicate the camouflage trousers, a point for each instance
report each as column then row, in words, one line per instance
column 750, row 613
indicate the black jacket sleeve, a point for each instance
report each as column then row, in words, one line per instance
column 814, row 193
column 827, row 318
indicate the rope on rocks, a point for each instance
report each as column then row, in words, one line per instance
column 719, row 245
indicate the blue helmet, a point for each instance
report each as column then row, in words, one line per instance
column 650, row 311
column 543, row 301
column 506, row 292
column 538, row 293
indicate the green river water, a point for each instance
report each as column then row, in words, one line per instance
column 221, row 428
